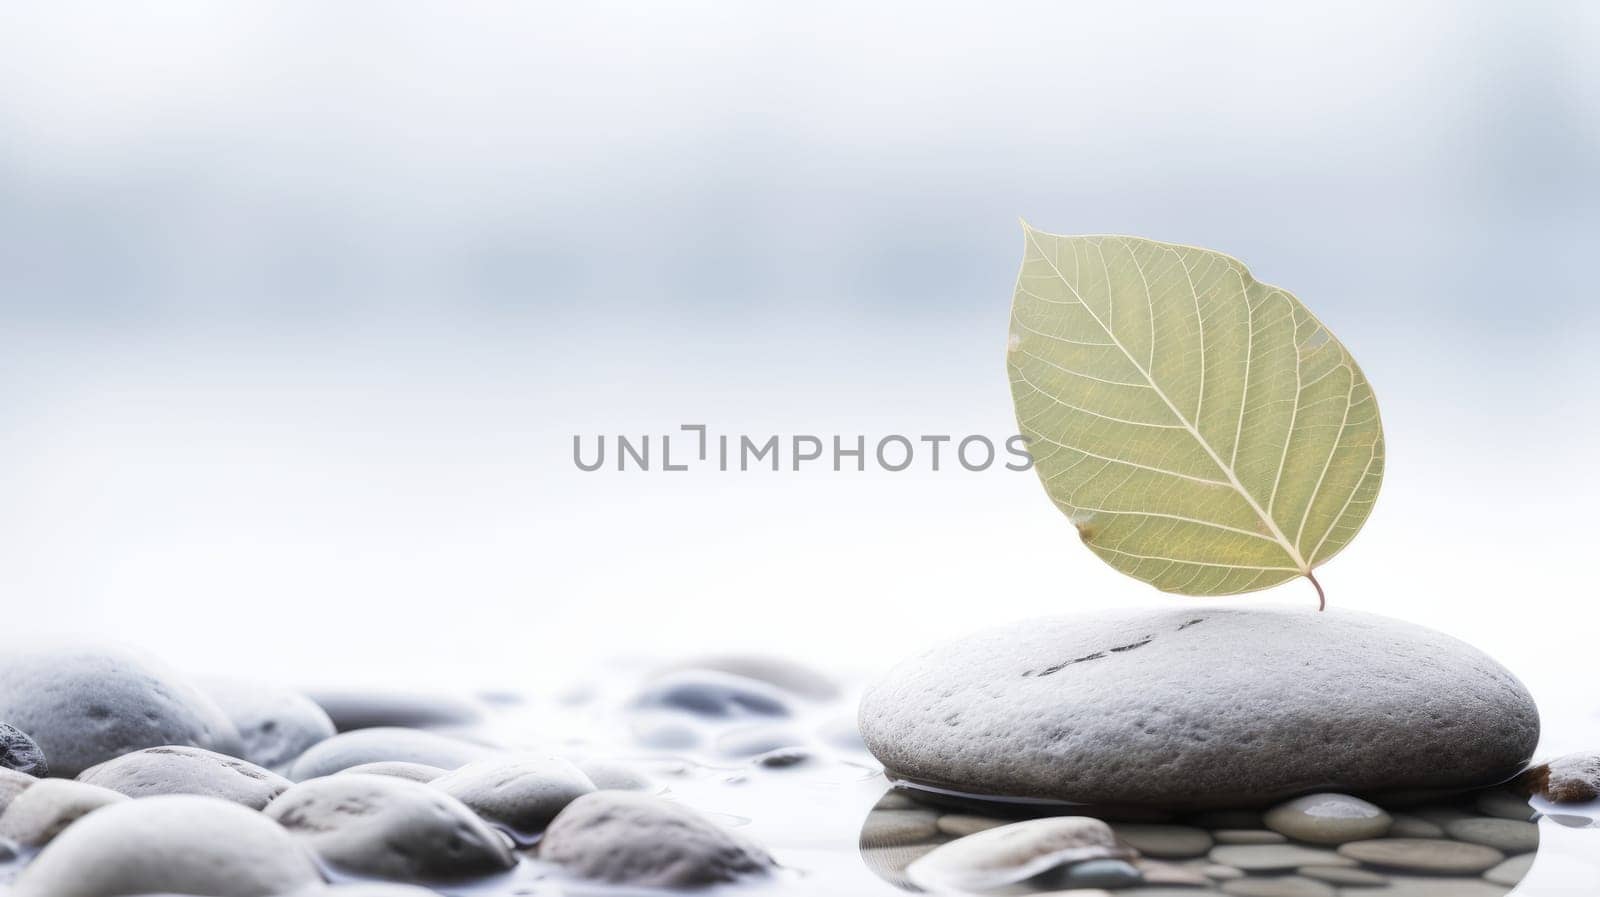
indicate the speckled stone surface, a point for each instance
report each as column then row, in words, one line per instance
column 1201, row 707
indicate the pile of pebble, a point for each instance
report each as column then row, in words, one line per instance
column 118, row 776
column 1320, row 845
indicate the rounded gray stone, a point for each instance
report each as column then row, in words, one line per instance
column 1014, row 853
column 352, row 709
column 1505, row 804
column 20, row 753
column 275, row 724
column 1433, row 856
column 1409, row 826
column 1145, row 707
column 714, row 695
column 1284, row 886
column 390, row 828
column 1101, row 874
column 1329, row 819
column 416, row 772
column 179, row 844
column 1247, row 836
column 521, row 792
column 789, row 675
column 615, row 775
column 86, row 706
column 45, row 810
column 187, row 770
column 1275, row 857
column 1510, row 836
column 627, row 838
column 385, row 744
column 898, row 827
column 1511, row 872
column 13, row 783
column 1343, row 876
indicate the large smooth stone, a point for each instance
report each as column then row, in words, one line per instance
column 86, row 706
column 21, row 753
column 627, row 838
column 388, row 827
column 178, row 844
column 382, row 745
column 187, row 770
column 1201, row 707
column 275, row 724
column 1015, row 853
column 45, row 810
column 352, row 709
column 1329, row 819
column 521, row 792
column 13, row 783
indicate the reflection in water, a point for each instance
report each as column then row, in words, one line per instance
column 1475, row 844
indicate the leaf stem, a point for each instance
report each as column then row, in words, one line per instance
column 1322, row 597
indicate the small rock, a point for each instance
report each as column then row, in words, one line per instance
column 18, row 752
column 1429, row 855
column 635, row 839
column 962, row 824
column 275, row 724
column 1247, row 836
column 521, row 792
column 13, row 783
column 1165, row 842
column 1573, row 779
column 1014, row 853
column 1408, row 826
column 1329, row 819
column 400, row 769
column 43, row 811
column 1158, row 873
column 1129, row 707
column 187, row 770
column 1505, row 804
column 897, row 828
column 1511, row 872
column 1275, row 857
column 753, row 740
column 358, row 709
column 378, row 745
column 1510, row 836
column 713, row 695
column 1286, row 886
column 615, row 775
column 1429, row 886
column 782, row 758
column 391, row 828
column 791, row 676
column 1101, row 874
column 1346, row 876
column 178, row 844
column 1441, row 815
column 87, row 706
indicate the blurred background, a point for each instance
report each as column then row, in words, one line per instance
column 302, row 304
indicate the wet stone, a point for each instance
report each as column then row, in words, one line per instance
column 1408, row 826
column 627, row 838
column 1276, row 857
column 1429, row 855
column 391, row 828
column 1506, row 805
column 1510, row 836
column 19, row 752
column 187, row 770
column 1328, row 819
column 521, row 792
column 1159, row 873
column 1100, row 874
column 275, row 724
column 1573, row 779
column 1164, row 841
column 714, row 695
column 385, row 744
column 1015, row 853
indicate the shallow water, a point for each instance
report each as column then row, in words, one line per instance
column 795, row 778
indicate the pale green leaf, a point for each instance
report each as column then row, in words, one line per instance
column 1203, row 431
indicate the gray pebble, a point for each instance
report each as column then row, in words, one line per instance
column 43, row 811
column 627, row 838
column 1285, row 886
column 1328, row 819
column 521, row 792
column 1510, row 836
column 378, row 745
column 13, row 783
column 1275, row 857
column 615, row 775
column 1408, row 826
column 1167, row 842
column 1248, row 836
column 1101, row 874
column 1428, row 855
column 1505, row 805
column 275, row 724
column 1511, row 872
column 714, row 695
column 791, row 676
column 390, row 828
column 1015, row 853
column 19, row 752
column 897, row 828
column 416, row 772
column 1346, row 876
column 352, row 709
column 178, row 844
column 187, row 770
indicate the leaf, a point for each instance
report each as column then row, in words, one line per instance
column 1203, row 430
